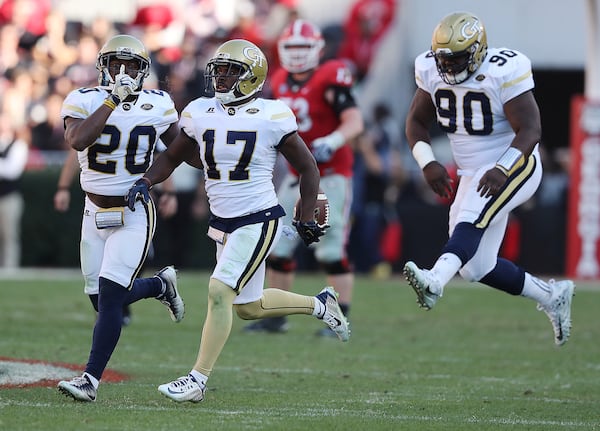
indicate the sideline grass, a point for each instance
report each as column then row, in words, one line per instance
column 481, row 360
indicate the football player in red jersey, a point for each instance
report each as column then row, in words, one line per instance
column 328, row 119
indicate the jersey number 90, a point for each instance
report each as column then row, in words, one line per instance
column 474, row 106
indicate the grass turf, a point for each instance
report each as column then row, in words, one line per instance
column 480, row 360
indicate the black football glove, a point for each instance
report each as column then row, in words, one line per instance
column 140, row 190
column 309, row 231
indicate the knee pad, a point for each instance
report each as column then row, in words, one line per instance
column 337, row 267
column 281, row 264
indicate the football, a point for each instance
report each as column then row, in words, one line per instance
column 321, row 209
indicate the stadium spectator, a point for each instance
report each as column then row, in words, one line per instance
column 364, row 28
column 13, row 158
column 375, row 235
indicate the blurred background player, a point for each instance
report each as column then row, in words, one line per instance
column 13, row 158
column 114, row 128
column 483, row 99
column 328, row 119
column 238, row 136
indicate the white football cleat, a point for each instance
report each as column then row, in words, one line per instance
column 558, row 309
column 333, row 316
column 79, row 388
column 426, row 287
column 185, row 388
column 170, row 297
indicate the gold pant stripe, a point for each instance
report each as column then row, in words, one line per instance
column 261, row 250
column 514, row 183
column 150, row 227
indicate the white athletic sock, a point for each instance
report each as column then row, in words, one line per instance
column 94, row 381
column 536, row 289
column 445, row 268
column 200, row 378
column 319, row 310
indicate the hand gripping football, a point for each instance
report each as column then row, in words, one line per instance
column 321, row 209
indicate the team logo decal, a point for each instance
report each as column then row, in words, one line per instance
column 253, row 54
column 231, row 111
column 469, row 29
column 126, row 107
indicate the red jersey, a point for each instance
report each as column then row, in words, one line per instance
column 315, row 116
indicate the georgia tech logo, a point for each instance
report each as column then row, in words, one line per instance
column 469, row 29
column 253, row 54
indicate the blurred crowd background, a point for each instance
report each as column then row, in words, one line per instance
column 48, row 48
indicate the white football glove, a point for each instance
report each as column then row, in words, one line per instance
column 125, row 85
column 324, row 147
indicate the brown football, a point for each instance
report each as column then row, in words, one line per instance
column 321, row 209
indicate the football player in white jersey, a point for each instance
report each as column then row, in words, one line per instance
column 114, row 127
column 483, row 99
column 237, row 136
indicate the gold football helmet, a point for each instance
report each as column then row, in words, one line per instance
column 240, row 59
column 459, row 45
column 122, row 47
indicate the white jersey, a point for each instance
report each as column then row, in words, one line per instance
column 238, row 147
column 472, row 113
column 125, row 149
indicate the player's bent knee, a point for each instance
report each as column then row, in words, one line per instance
column 467, row 275
column 250, row 311
column 337, row 268
column 281, row 264
column 473, row 274
column 219, row 293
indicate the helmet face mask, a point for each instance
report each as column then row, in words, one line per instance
column 123, row 50
column 299, row 46
column 237, row 71
column 459, row 46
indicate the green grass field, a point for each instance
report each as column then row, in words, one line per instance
column 481, row 360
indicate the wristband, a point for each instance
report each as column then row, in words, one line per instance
column 510, row 161
column 423, row 154
column 111, row 101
